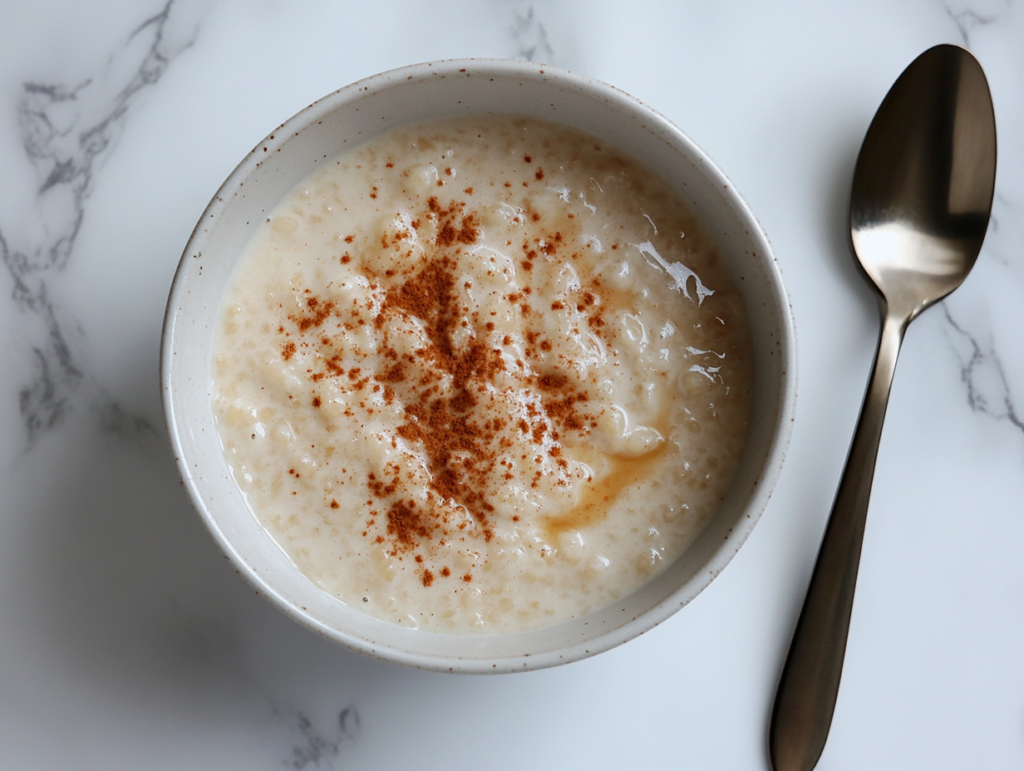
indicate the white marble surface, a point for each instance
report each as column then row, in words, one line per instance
column 127, row 642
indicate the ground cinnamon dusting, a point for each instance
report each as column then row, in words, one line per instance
column 461, row 437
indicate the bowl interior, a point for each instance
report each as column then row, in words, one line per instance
column 410, row 95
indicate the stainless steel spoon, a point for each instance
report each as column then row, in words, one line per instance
column 919, row 209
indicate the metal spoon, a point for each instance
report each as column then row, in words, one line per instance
column 919, row 209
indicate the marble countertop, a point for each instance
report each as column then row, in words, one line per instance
column 127, row 641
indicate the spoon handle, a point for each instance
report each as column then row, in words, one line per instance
column 807, row 692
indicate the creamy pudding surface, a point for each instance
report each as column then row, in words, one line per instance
column 482, row 374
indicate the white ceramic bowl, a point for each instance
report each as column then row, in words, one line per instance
column 424, row 92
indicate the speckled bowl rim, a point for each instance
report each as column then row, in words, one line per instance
column 612, row 96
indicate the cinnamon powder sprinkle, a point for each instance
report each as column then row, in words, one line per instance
column 406, row 525
column 461, row 437
column 319, row 311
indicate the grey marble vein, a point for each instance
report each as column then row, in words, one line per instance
column 969, row 18
column 531, row 37
column 67, row 132
column 315, row 748
column 989, row 386
column 982, row 373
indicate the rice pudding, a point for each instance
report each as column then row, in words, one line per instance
column 482, row 374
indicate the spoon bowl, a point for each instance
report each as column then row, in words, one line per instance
column 919, row 208
column 923, row 184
